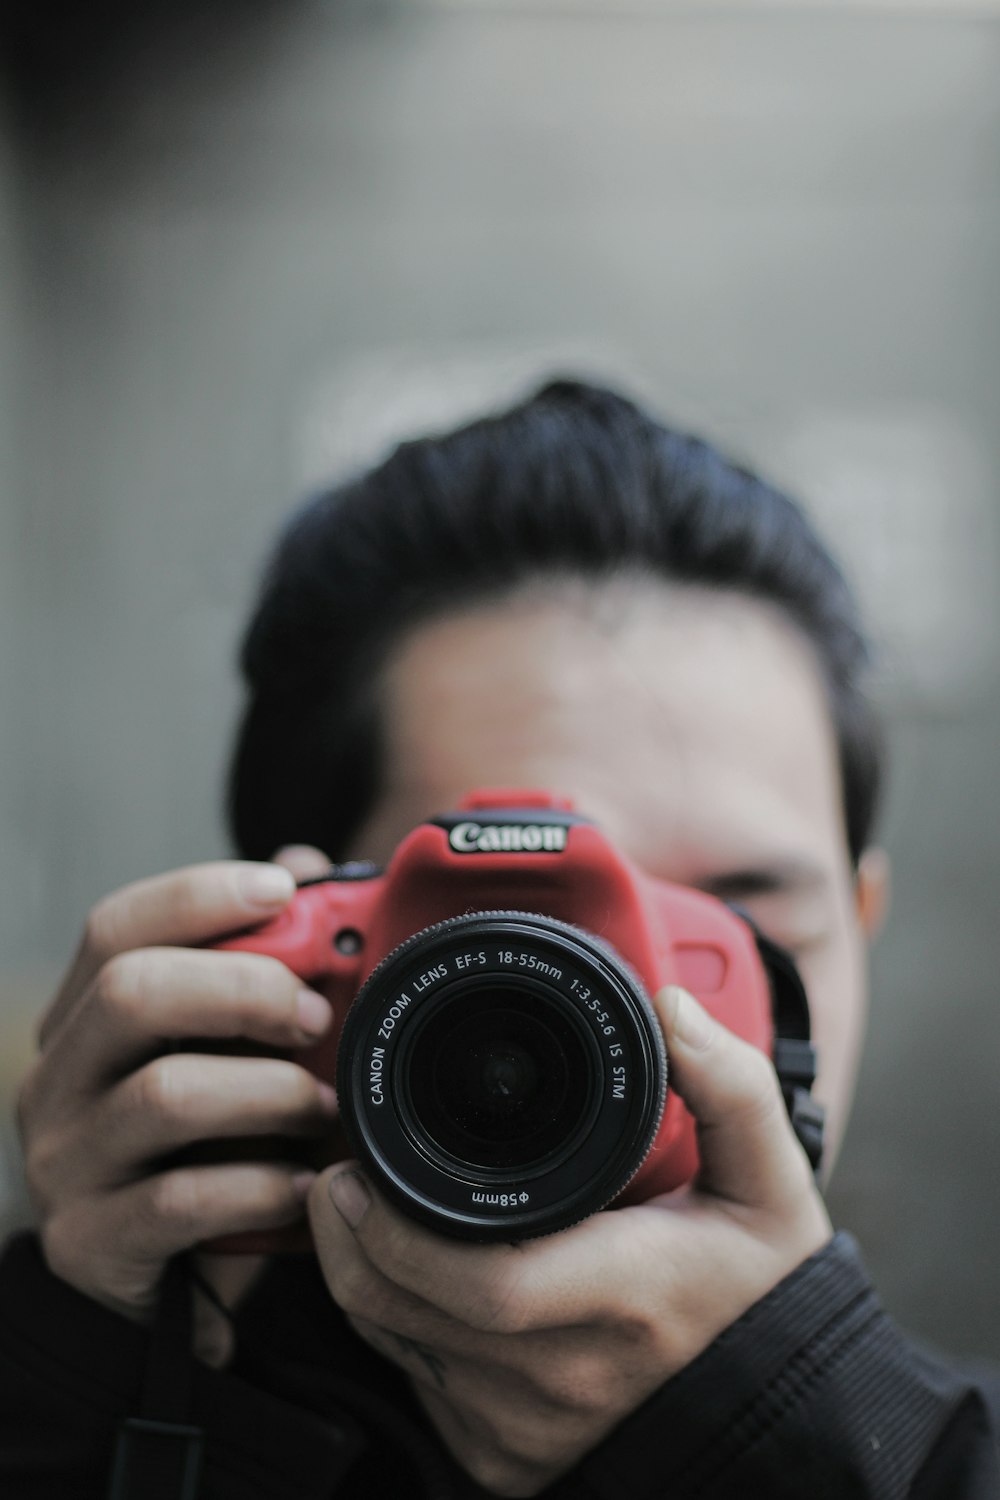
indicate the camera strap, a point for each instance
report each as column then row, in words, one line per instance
column 159, row 1453
column 794, row 1055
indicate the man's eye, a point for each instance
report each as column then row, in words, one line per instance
column 795, row 931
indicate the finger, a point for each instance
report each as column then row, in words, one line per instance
column 411, row 1330
column 186, row 907
column 543, row 1283
column 183, row 1098
column 142, row 1001
column 304, row 861
column 173, row 1102
column 230, row 1278
column 126, row 1237
column 748, row 1152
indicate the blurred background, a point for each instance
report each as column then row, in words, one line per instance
column 244, row 246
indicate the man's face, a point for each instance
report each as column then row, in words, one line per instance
column 690, row 724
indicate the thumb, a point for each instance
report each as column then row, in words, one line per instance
column 746, row 1145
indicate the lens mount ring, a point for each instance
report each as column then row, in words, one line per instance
column 502, row 1074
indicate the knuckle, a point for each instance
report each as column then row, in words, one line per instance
column 359, row 1293
column 102, row 928
column 249, row 976
column 528, row 1445
column 160, row 1089
column 43, row 1152
column 581, row 1385
column 42, row 1159
column 757, row 1091
column 183, row 897
column 177, row 1198
column 61, row 1246
column 488, row 1468
column 123, row 983
column 498, row 1471
column 490, row 1473
column 799, row 1180
column 25, row 1102
column 261, row 989
column 380, row 1302
column 391, row 1253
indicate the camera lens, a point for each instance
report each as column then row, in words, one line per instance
column 499, row 1077
column 502, row 1075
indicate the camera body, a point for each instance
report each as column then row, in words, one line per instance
column 500, row 1070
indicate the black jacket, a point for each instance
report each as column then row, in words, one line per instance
column 812, row 1393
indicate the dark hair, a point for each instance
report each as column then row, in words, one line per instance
column 575, row 480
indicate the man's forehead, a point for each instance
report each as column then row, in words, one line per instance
column 692, row 724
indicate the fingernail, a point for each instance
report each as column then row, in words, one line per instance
column 266, row 885
column 313, row 1012
column 350, row 1197
column 302, row 859
column 690, row 1024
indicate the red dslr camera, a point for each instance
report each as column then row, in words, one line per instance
column 500, row 1070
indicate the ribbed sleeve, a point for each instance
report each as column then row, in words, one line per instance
column 813, row 1392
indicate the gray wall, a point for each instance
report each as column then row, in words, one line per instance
column 237, row 254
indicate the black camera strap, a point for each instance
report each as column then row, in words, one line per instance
column 159, row 1453
column 794, row 1053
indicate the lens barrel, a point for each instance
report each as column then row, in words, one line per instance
column 502, row 1075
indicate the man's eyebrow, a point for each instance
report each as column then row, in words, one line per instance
column 779, row 878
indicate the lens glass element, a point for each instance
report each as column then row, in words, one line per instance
column 500, row 1077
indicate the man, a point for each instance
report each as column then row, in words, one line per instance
column 570, row 597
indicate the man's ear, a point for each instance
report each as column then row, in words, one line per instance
column 873, row 891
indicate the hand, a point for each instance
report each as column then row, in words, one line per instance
column 526, row 1356
column 107, row 1102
